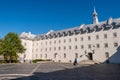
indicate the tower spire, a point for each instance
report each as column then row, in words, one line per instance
column 94, row 10
column 95, row 18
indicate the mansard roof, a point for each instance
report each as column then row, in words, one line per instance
column 75, row 30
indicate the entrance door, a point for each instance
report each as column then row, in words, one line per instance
column 90, row 56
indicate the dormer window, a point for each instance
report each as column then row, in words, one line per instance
column 96, row 28
column 54, row 35
column 88, row 29
column 65, row 33
column 103, row 26
column 75, row 32
column 109, row 21
column 50, row 36
column 59, row 34
column 69, row 33
column 46, row 37
column 113, row 23
column 43, row 37
column 81, row 31
column 118, row 25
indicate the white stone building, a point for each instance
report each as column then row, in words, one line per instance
column 99, row 41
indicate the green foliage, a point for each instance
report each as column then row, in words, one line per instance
column 39, row 60
column 1, row 43
column 10, row 46
column 2, row 61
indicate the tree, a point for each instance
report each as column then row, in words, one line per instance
column 11, row 46
column 1, row 43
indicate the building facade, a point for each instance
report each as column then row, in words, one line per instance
column 99, row 41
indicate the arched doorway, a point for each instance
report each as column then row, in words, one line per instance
column 107, row 57
column 90, row 56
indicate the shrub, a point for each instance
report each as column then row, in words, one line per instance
column 3, row 61
column 38, row 60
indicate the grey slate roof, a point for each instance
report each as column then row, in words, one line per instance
column 82, row 27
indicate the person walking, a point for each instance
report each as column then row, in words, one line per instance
column 75, row 62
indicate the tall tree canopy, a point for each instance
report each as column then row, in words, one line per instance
column 1, row 43
column 11, row 46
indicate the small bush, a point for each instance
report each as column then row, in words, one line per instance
column 2, row 61
column 38, row 60
column 12, row 61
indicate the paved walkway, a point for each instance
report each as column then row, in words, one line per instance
column 59, row 71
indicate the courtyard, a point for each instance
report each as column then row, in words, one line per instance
column 59, row 71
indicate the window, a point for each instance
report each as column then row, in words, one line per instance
column 114, row 34
column 76, row 55
column 59, row 48
column 69, row 40
column 64, row 55
column 40, row 55
column 36, row 56
column 24, row 55
column 50, row 48
column 76, row 47
column 64, row 47
column 89, row 46
column 36, row 44
column 25, row 44
column 69, row 47
column 106, row 54
column 105, row 36
column 115, row 44
column 59, row 41
column 75, row 39
column 45, row 49
column 82, row 46
column 106, row 45
column 54, row 48
column 89, row 38
column 64, row 40
column 36, row 50
column 98, row 45
column 54, row 42
column 81, row 38
column 50, row 42
column 97, row 36
column 55, row 55
column 45, row 55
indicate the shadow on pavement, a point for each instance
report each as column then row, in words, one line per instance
column 115, row 58
column 93, row 72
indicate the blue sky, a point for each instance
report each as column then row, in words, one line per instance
column 40, row 16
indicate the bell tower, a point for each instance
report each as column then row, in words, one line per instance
column 95, row 18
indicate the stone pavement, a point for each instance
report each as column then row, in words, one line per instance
column 60, row 71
